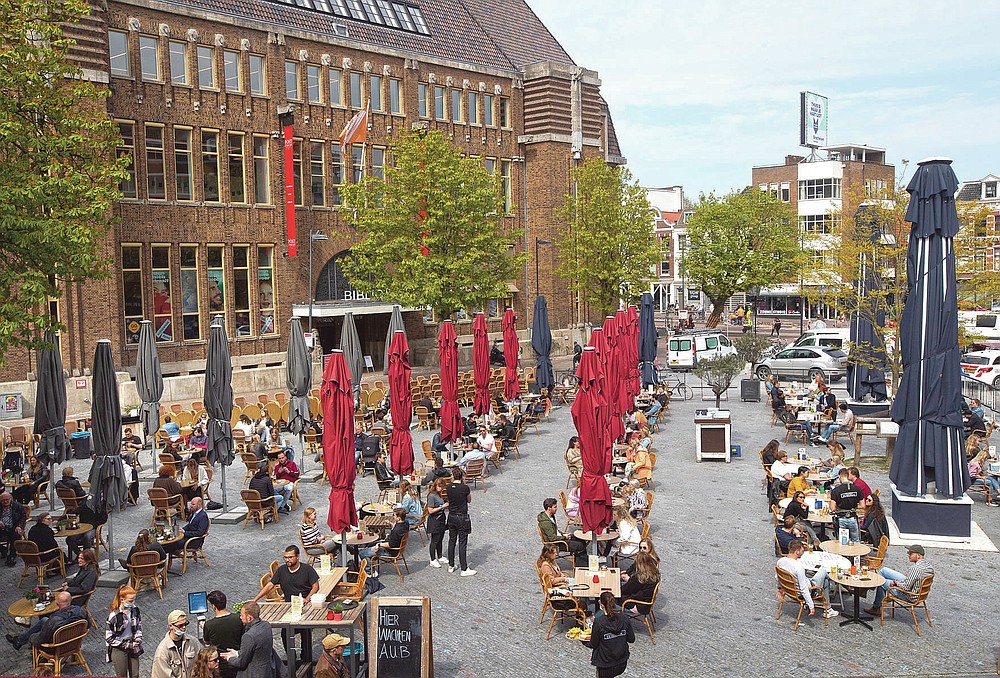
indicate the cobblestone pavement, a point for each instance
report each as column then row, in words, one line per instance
column 716, row 609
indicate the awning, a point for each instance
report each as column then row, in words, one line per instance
column 337, row 309
column 511, row 287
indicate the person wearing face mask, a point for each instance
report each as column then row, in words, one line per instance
column 175, row 655
column 123, row 633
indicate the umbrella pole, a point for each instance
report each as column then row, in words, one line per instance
column 52, row 486
column 225, row 495
column 111, row 539
column 343, row 548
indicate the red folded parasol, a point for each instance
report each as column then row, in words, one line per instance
column 400, row 404
column 481, row 364
column 613, row 381
column 337, row 401
column 588, row 417
column 451, row 417
column 511, row 349
column 633, row 380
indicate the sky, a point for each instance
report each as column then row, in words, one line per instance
column 702, row 90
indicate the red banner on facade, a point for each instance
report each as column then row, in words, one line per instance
column 289, row 190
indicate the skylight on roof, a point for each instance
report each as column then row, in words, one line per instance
column 380, row 12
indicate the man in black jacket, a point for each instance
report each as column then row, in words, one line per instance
column 70, row 482
column 256, row 646
column 45, row 628
column 12, row 518
column 261, row 482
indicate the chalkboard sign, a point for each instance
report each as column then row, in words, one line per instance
column 401, row 638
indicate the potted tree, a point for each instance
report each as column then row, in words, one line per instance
column 719, row 373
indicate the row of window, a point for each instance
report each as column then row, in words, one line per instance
column 197, row 159
column 382, row 12
column 814, row 189
column 151, row 287
column 303, row 82
column 819, row 223
column 780, row 191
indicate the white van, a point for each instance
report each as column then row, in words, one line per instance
column 828, row 337
column 985, row 326
column 685, row 350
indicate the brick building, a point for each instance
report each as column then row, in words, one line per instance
column 197, row 88
column 819, row 190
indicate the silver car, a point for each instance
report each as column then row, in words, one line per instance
column 805, row 362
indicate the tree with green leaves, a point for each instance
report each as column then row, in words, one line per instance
column 750, row 347
column 608, row 246
column 719, row 373
column 743, row 240
column 58, row 173
column 433, row 229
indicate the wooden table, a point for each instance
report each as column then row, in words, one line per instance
column 22, row 607
column 376, row 524
column 377, row 509
column 607, row 535
column 354, row 544
column 565, row 393
column 857, row 583
column 849, row 551
column 584, row 586
column 82, row 529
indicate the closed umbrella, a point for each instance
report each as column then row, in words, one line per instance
column 451, row 417
column 511, row 348
column 350, row 344
column 866, row 368
column 400, row 405
column 595, row 453
column 148, row 382
column 108, row 487
column 929, row 401
column 541, row 344
column 647, row 340
column 633, row 379
column 613, row 381
column 337, row 400
column 219, row 402
column 481, row 364
column 298, row 379
column 625, row 363
column 50, row 410
column 395, row 323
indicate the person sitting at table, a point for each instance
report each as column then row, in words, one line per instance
column 311, row 534
column 383, row 474
column 45, row 538
column 778, row 399
column 261, row 482
column 12, row 519
column 408, row 500
column 194, row 480
column 286, row 470
column 902, row 585
column 131, row 444
column 798, row 508
column 980, row 476
column 486, row 440
column 791, row 564
column 470, row 426
column 359, row 440
column 504, row 431
column 436, row 470
column 171, row 428
column 198, row 440
column 550, row 533
column 973, row 423
column 196, row 526
column 262, row 428
column 974, row 444
column 636, row 498
column 573, row 455
column 142, row 544
column 282, row 442
column 835, row 462
column 657, row 404
column 640, row 584
column 38, row 473
column 770, row 452
column 573, row 501
column 844, row 500
column 846, row 423
column 609, row 639
column 172, row 449
column 86, row 576
column 45, row 628
column 817, row 383
column 854, row 473
column 827, row 402
column 628, row 532
column 547, row 566
column 70, row 482
column 799, row 482
column 165, row 479
column 782, row 468
column 786, row 532
column 473, row 453
column 789, row 417
column 430, row 404
column 642, row 468
column 976, row 408
column 244, row 426
column 875, row 524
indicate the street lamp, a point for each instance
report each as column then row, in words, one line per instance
column 317, row 236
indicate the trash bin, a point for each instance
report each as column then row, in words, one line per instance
column 12, row 406
column 80, row 442
column 750, row 390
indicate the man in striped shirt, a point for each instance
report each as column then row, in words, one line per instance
column 903, row 585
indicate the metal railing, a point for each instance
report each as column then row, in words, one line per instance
column 988, row 396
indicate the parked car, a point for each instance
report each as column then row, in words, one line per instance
column 831, row 337
column 805, row 362
column 983, row 366
column 685, row 350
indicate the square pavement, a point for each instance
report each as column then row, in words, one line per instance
column 716, row 610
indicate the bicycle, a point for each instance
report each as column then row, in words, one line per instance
column 678, row 388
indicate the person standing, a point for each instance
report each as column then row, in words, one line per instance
column 436, row 525
column 253, row 659
column 12, row 519
column 844, row 501
column 459, row 522
column 295, row 579
column 224, row 631
column 331, row 663
column 174, row 656
column 609, row 639
column 123, row 633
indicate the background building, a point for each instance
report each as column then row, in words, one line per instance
column 668, row 282
column 198, row 89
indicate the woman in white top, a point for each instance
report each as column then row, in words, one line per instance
column 629, row 535
column 244, row 425
column 194, row 479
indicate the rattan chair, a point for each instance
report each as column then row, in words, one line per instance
column 475, row 471
column 570, row 520
column 146, row 569
column 894, row 598
column 192, row 552
column 355, row 590
column 39, row 561
column 648, row 617
column 71, row 502
column 561, row 612
column 83, row 601
column 379, row 559
column 66, row 648
column 875, row 562
column 789, row 589
column 164, row 505
column 257, row 508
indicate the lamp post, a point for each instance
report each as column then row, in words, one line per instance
column 317, row 236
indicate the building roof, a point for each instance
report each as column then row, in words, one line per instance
column 500, row 34
column 969, row 190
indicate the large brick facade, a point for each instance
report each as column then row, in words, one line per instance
column 191, row 224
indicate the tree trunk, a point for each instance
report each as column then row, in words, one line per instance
column 713, row 318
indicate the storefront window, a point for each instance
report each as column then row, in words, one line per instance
column 191, row 317
column 241, row 289
column 265, row 288
column 216, row 281
column 132, row 291
column 163, row 326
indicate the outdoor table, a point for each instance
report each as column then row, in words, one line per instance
column 354, row 544
column 584, row 586
column 22, row 607
column 565, row 392
column 617, row 501
column 857, row 582
column 378, row 509
column 607, row 535
column 82, row 529
column 278, row 615
column 850, row 550
column 818, row 477
column 378, row 524
column 813, row 560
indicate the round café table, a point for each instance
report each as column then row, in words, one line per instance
column 354, row 544
column 857, row 583
column 607, row 535
column 83, row 528
column 377, row 509
column 848, row 551
column 22, row 607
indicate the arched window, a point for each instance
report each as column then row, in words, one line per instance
column 333, row 284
